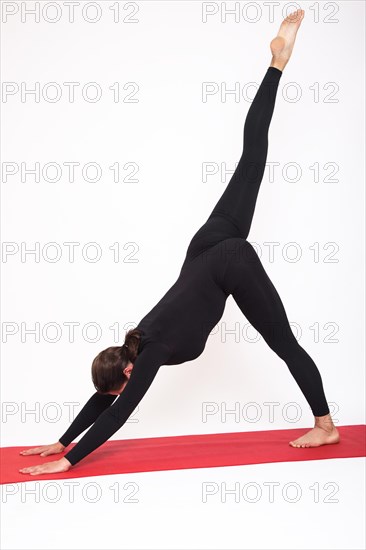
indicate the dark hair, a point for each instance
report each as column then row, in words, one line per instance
column 107, row 367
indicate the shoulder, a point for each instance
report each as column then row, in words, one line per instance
column 153, row 351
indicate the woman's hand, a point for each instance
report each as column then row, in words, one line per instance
column 54, row 467
column 45, row 450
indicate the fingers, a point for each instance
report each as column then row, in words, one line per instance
column 38, row 451
column 32, row 470
column 34, row 451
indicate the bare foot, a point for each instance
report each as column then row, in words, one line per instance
column 282, row 45
column 323, row 433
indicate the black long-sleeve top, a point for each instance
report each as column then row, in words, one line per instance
column 173, row 332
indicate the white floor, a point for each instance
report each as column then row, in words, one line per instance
column 316, row 504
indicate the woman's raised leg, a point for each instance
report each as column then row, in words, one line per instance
column 233, row 213
column 237, row 203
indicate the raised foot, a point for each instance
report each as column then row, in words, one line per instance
column 282, row 45
column 316, row 437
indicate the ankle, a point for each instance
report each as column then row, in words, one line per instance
column 324, row 422
column 278, row 63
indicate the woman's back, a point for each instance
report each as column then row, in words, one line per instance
column 186, row 314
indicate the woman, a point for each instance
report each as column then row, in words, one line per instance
column 219, row 262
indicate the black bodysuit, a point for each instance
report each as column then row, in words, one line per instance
column 219, row 262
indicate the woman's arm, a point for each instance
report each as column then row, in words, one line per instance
column 88, row 414
column 145, row 368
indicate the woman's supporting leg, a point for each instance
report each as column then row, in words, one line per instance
column 258, row 299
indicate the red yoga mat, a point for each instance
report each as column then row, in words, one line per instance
column 187, row 451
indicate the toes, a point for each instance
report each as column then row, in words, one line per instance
column 299, row 445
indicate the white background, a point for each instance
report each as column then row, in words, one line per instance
column 169, row 132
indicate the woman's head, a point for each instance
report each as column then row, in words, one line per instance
column 112, row 367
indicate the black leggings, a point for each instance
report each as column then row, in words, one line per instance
column 249, row 284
